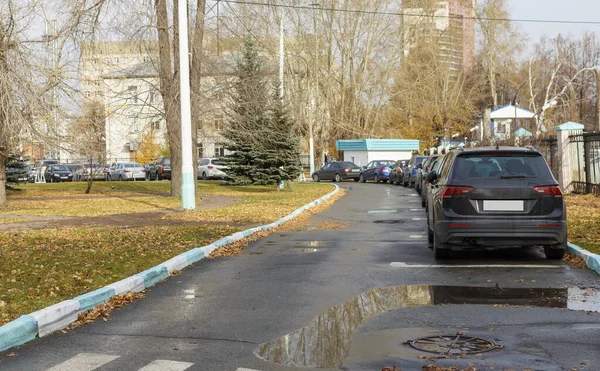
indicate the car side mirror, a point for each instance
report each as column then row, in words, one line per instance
column 432, row 177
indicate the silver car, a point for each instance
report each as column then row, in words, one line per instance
column 126, row 171
column 83, row 171
column 211, row 168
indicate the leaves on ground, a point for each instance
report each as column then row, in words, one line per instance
column 104, row 310
column 574, row 261
column 583, row 213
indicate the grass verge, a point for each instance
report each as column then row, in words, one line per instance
column 39, row 268
column 583, row 213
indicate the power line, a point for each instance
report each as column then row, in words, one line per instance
column 374, row 12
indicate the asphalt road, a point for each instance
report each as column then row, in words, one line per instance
column 216, row 315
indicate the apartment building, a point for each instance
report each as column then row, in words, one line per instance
column 448, row 23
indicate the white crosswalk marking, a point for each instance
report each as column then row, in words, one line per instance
column 84, row 362
column 163, row 365
column 246, row 369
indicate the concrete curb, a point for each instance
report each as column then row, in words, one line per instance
column 60, row 315
column 591, row 260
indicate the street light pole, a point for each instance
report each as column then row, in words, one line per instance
column 281, row 58
column 188, row 191
column 311, row 141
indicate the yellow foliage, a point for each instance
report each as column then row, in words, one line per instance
column 148, row 148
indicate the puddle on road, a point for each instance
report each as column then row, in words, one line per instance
column 325, row 342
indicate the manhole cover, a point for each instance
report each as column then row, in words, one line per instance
column 453, row 345
column 388, row 221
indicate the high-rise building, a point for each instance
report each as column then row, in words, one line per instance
column 103, row 58
column 449, row 24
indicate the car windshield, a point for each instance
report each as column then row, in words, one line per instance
column 129, row 165
column 71, row 167
column 58, row 168
column 386, row 163
column 501, row 166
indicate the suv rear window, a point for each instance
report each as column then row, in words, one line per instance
column 166, row 161
column 501, row 166
column 217, row 162
column 419, row 159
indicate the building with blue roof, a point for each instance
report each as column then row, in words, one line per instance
column 363, row 151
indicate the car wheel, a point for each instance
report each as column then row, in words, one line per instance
column 120, row 178
column 316, row 178
column 404, row 183
column 204, row 177
column 439, row 250
column 357, row 179
column 422, row 202
column 338, row 178
column 157, row 177
column 361, row 179
column 417, row 188
column 554, row 254
column 376, row 178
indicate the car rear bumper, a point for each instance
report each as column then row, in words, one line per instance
column 465, row 234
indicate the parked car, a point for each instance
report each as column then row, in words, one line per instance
column 434, row 165
column 160, row 169
column 396, row 172
column 378, row 171
column 410, row 171
column 126, row 171
column 58, row 173
column 31, row 173
column 71, row 167
column 423, row 171
column 337, row 171
column 84, row 171
column 211, row 168
column 495, row 197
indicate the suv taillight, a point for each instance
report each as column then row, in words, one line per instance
column 211, row 167
column 549, row 191
column 160, row 169
column 451, row 191
column 346, row 170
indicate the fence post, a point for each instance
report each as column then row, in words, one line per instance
column 587, row 160
column 565, row 173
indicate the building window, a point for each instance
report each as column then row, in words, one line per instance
column 219, row 120
column 116, row 60
column 86, row 94
column 219, row 151
column 133, row 92
column 156, row 125
column 107, row 60
column 200, row 148
column 146, row 59
column 125, row 60
column 136, row 60
column 97, row 82
column 95, row 60
column 151, row 97
column 97, row 93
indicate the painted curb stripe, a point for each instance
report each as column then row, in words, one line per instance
column 18, row 332
column 94, row 298
column 591, row 260
column 153, row 275
column 164, row 365
column 59, row 316
column 129, row 284
column 56, row 317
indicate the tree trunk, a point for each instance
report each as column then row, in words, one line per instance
column 3, row 200
column 195, row 76
column 597, row 74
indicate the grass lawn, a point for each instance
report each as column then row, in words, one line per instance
column 583, row 212
column 42, row 267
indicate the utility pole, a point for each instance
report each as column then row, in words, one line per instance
column 311, row 141
column 188, row 191
column 281, row 58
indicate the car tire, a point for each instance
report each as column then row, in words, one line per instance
column 338, row 178
column 157, row 177
column 316, row 178
column 429, row 235
column 422, row 202
column 357, row 179
column 404, row 183
column 418, row 189
column 440, row 251
column 554, row 254
column 204, row 177
column 120, row 178
column 376, row 178
column 361, row 179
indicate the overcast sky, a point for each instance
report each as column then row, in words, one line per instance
column 571, row 10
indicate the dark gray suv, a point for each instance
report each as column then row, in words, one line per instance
column 495, row 197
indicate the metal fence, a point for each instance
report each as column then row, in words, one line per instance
column 548, row 147
column 585, row 162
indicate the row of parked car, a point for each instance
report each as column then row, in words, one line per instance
column 498, row 197
column 159, row 169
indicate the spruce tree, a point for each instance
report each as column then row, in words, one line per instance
column 245, row 131
column 279, row 155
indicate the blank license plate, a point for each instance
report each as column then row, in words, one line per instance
column 494, row 205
